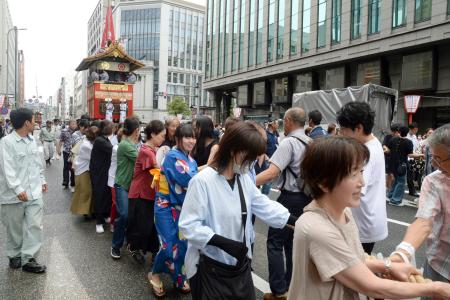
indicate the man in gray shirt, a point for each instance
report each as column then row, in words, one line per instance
column 285, row 164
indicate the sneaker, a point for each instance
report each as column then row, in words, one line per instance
column 115, row 253
column 15, row 262
column 33, row 267
column 108, row 220
column 99, row 228
column 65, row 186
column 396, row 204
column 72, row 189
column 137, row 256
column 111, row 228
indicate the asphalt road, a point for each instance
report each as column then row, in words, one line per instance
column 80, row 267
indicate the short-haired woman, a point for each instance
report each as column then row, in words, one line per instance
column 328, row 259
column 81, row 201
column 177, row 170
column 141, row 231
column 99, row 167
column 212, row 219
column 171, row 123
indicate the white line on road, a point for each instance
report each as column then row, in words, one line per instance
column 260, row 283
column 398, row 222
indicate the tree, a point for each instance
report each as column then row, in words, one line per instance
column 178, row 106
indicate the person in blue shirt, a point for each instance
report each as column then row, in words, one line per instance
column 315, row 117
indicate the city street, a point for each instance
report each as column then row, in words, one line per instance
column 80, row 267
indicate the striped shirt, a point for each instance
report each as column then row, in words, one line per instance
column 434, row 205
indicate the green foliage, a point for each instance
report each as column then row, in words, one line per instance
column 178, row 106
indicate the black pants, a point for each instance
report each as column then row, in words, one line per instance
column 68, row 170
column 196, row 287
column 281, row 239
column 141, row 230
column 368, row 247
column 410, row 176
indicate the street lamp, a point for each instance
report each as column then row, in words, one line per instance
column 196, row 86
column 15, row 63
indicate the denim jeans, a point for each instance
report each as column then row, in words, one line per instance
column 397, row 191
column 281, row 239
column 120, row 224
column 430, row 273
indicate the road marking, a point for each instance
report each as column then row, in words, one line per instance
column 398, row 222
column 260, row 283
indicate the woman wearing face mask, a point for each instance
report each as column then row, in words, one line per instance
column 126, row 157
column 141, row 231
column 216, row 218
column 177, row 170
column 171, row 123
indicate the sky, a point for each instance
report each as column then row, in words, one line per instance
column 55, row 40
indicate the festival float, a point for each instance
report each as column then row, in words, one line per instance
column 111, row 78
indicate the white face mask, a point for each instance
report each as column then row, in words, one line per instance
column 243, row 169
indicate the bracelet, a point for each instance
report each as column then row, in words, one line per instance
column 387, row 266
column 402, row 255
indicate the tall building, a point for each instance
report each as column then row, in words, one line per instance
column 7, row 48
column 260, row 52
column 21, row 58
column 170, row 34
column 95, row 26
column 80, row 94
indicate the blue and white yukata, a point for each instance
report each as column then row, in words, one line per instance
column 177, row 170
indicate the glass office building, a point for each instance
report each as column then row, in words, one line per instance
column 260, row 52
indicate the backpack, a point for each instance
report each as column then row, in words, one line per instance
column 305, row 140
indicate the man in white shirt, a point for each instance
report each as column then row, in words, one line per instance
column 410, row 175
column 22, row 183
column 356, row 120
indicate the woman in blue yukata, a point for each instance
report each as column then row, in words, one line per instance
column 177, row 170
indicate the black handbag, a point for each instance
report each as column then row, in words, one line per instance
column 220, row 281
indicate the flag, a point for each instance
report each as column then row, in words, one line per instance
column 108, row 32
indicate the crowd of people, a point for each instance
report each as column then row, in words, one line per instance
column 186, row 197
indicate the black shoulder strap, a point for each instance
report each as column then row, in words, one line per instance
column 288, row 168
column 243, row 206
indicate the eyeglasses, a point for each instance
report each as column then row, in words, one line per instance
column 439, row 162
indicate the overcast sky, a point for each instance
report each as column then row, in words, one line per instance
column 55, row 41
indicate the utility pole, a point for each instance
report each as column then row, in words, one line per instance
column 16, row 63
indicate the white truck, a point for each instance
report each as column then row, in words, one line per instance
column 382, row 100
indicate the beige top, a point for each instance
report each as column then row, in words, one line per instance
column 322, row 249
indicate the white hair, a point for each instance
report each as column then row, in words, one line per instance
column 441, row 136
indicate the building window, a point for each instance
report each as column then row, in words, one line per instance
column 294, row 27
column 448, row 7
column 214, row 41
column 356, row 19
column 220, row 38
column 280, row 30
column 336, row 21
column 241, row 35
column 322, row 24
column 259, row 31
column 306, row 26
column 226, row 67
column 251, row 34
column 374, row 16
column 271, row 30
column 398, row 13
column 234, row 42
column 422, row 11
column 208, row 38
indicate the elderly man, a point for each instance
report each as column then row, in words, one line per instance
column 66, row 145
column 47, row 138
column 285, row 165
column 22, row 183
column 433, row 216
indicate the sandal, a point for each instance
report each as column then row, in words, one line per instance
column 157, row 288
column 186, row 289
